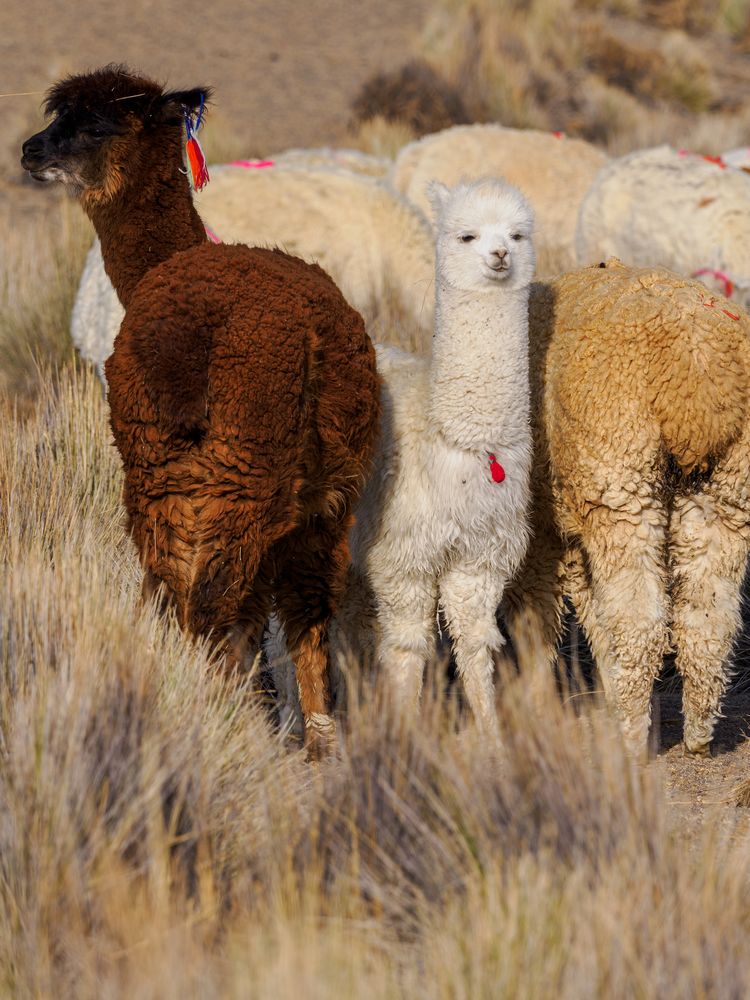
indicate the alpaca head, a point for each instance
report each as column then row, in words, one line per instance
column 108, row 127
column 484, row 235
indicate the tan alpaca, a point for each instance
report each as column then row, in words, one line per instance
column 641, row 489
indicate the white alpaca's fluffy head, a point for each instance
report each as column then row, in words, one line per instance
column 484, row 235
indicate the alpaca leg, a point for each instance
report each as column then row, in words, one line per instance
column 407, row 611
column 470, row 597
column 353, row 635
column 532, row 608
column 282, row 671
column 625, row 612
column 709, row 555
column 310, row 572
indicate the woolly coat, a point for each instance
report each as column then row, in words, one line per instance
column 370, row 241
column 661, row 207
column 354, row 161
column 239, row 417
column 553, row 172
column 640, row 387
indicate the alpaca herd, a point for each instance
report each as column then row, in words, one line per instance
column 582, row 437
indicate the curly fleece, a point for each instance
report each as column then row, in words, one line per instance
column 640, row 387
column 243, row 394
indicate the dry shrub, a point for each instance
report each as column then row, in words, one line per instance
column 697, row 17
column 676, row 72
column 414, row 94
column 380, row 137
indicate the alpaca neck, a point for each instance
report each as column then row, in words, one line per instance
column 146, row 222
column 479, row 392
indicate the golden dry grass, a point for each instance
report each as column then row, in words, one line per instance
column 623, row 73
column 42, row 257
column 158, row 838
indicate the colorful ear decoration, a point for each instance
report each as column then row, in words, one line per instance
column 195, row 156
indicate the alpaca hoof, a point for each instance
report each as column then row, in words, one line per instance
column 697, row 749
column 320, row 736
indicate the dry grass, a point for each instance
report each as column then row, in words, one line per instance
column 42, row 258
column 613, row 71
column 159, row 839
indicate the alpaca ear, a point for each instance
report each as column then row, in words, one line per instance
column 438, row 193
column 170, row 108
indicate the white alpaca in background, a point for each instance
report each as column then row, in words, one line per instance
column 443, row 520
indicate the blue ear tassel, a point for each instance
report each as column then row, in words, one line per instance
column 192, row 127
column 199, row 119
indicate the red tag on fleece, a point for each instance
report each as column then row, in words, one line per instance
column 496, row 470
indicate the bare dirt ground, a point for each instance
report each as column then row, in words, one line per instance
column 704, row 790
column 284, row 73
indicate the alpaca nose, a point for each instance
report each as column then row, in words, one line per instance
column 33, row 151
column 501, row 253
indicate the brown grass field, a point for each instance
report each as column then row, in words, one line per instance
column 159, row 838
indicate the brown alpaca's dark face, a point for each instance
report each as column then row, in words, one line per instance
column 78, row 153
column 105, row 127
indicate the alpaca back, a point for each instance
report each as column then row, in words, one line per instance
column 216, row 361
column 365, row 236
column 660, row 352
column 664, row 207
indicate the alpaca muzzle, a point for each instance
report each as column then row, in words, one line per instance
column 36, row 158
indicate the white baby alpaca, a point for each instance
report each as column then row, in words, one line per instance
column 438, row 524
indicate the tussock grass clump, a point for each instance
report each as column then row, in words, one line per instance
column 414, row 94
column 158, row 838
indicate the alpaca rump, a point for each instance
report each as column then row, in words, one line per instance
column 243, row 390
column 640, row 384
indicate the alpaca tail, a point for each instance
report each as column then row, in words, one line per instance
column 699, row 379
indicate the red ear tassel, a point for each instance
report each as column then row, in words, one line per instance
column 195, row 156
column 197, row 162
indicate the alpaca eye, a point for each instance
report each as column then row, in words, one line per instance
column 468, row 237
column 517, row 236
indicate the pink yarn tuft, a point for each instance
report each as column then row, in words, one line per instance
column 252, row 164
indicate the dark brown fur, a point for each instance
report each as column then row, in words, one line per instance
column 243, row 393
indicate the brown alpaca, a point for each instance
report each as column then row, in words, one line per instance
column 243, row 390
